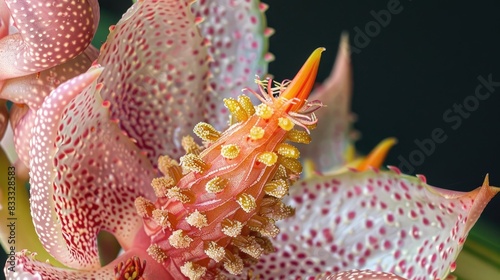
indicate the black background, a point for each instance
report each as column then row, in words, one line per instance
column 414, row 69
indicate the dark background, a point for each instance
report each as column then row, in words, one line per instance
column 425, row 60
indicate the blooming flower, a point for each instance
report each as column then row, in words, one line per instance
column 102, row 148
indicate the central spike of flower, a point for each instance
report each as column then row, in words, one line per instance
column 222, row 209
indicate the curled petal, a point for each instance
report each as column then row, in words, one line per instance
column 237, row 42
column 156, row 75
column 332, row 133
column 85, row 174
column 38, row 45
column 377, row 220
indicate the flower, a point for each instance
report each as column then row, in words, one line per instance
column 102, row 150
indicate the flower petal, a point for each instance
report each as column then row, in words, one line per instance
column 332, row 136
column 156, row 75
column 85, row 174
column 238, row 39
column 378, row 220
column 39, row 44
column 26, row 266
column 360, row 275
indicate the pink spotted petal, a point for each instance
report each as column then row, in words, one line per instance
column 85, row 174
column 377, row 220
column 238, row 41
column 27, row 267
column 39, row 44
column 156, row 75
column 357, row 274
column 332, row 136
column 4, row 118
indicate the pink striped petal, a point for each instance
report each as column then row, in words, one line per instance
column 360, row 275
column 85, row 174
column 156, row 75
column 50, row 33
column 378, row 220
column 238, row 39
column 331, row 138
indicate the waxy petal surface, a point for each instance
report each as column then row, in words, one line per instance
column 50, row 33
column 383, row 221
column 238, row 41
column 85, row 174
column 331, row 138
column 156, row 75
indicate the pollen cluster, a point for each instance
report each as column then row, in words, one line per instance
column 216, row 208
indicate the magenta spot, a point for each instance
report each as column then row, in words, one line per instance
column 351, row 215
column 369, row 224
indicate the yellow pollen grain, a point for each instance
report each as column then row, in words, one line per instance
column 246, row 103
column 264, row 111
column 157, row 253
column 234, row 265
column 288, row 151
column 214, row 251
column 216, row 185
column 249, row 246
column 161, row 218
column 179, row 240
column 231, row 228
column 193, row 163
column 275, row 209
column 161, row 185
column 144, row 207
column 285, row 123
column 281, row 173
column 166, row 163
column 206, row 132
column 291, row 164
column 263, row 225
column 298, row 136
column 177, row 194
column 193, row 271
column 268, row 158
column 247, row 202
column 256, row 133
column 230, row 151
column 189, row 145
column 197, row 219
column 236, row 109
column 277, row 188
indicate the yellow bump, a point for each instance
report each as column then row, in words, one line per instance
column 161, row 217
column 256, row 133
column 246, row 103
column 236, row 109
column 216, row 185
column 377, row 155
column 206, row 132
column 194, row 163
column 268, row 158
column 298, row 136
column 285, row 123
column 179, row 240
column 263, row 225
column 277, row 188
column 144, row 207
column 169, row 167
column 247, row 202
column 288, row 151
column 231, row 228
column 248, row 245
column 264, row 111
column 214, row 251
column 193, row 271
column 275, row 209
column 230, row 151
column 157, row 253
column 161, row 185
column 233, row 264
column 176, row 193
column 291, row 164
column 281, row 173
column 189, row 145
column 197, row 219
